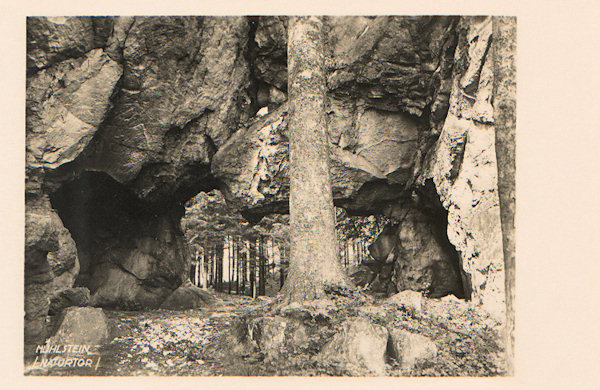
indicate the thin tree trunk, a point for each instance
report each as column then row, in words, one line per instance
column 261, row 268
column 280, row 268
column 505, row 88
column 229, row 263
column 314, row 261
column 213, row 270
column 202, row 275
column 220, row 253
column 197, row 271
column 252, row 265
column 245, row 267
column 236, row 262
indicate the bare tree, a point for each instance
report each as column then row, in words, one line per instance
column 314, row 257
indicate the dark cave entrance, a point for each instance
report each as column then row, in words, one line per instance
column 411, row 249
column 131, row 253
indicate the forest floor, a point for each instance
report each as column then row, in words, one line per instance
column 202, row 342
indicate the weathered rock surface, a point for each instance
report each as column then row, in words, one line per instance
column 463, row 166
column 375, row 146
column 66, row 104
column 424, row 262
column 360, row 345
column 50, row 263
column 182, row 94
column 82, row 326
column 53, row 39
column 388, row 62
column 269, row 334
column 271, row 50
column 78, row 296
column 189, row 297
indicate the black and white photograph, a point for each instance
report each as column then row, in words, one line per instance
column 301, row 194
column 270, row 195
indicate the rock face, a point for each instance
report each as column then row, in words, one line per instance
column 385, row 62
column 65, row 105
column 182, row 94
column 50, row 263
column 425, row 261
column 53, row 39
column 78, row 296
column 130, row 117
column 463, row 166
column 144, row 103
column 377, row 148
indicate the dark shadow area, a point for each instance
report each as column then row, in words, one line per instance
column 132, row 254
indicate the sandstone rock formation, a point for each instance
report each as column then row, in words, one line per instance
column 463, row 166
column 123, row 116
column 130, row 117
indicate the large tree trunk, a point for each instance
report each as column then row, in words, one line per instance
column 314, row 257
column 505, row 124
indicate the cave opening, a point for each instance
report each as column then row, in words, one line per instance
column 396, row 247
column 132, row 253
column 408, row 248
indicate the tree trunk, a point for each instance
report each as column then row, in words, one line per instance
column 505, row 88
column 314, row 257
column 219, row 251
column 252, row 261
column 229, row 262
column 245, row 267
column 261, row 268
column 236, row 261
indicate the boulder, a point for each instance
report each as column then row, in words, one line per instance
column 360, row 345
column 409, row 348
column 269, row 334
column 189, row 297
column 82, row 326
